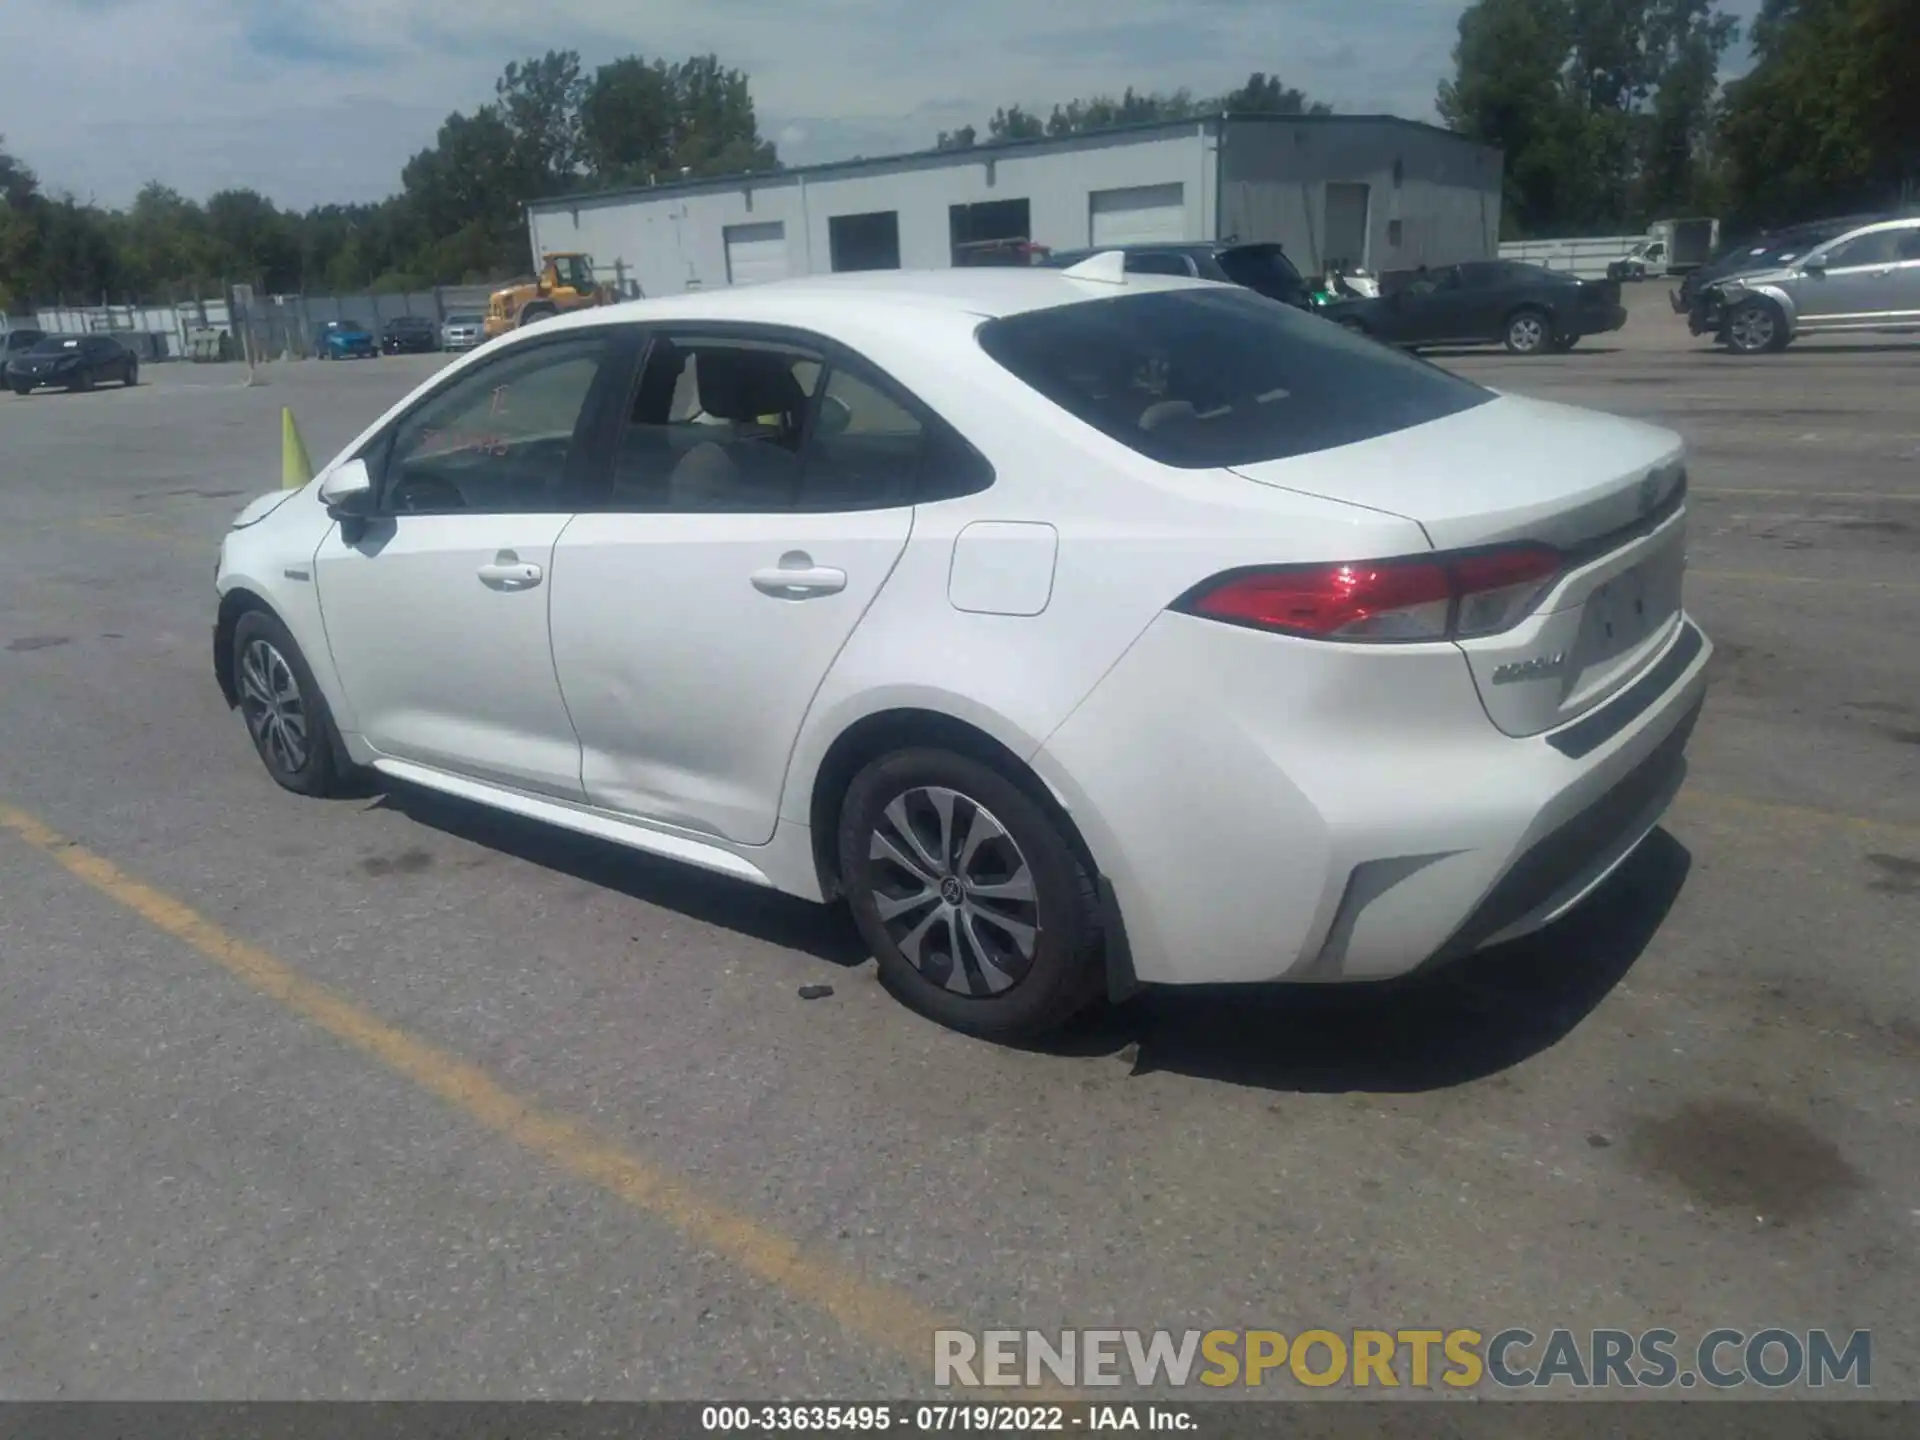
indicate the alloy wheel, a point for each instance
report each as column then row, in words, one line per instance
column 1752, row 328
column 1527, row 333
column 276, row 713
column 953, row 891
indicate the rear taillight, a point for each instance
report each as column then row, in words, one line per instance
column 1428, row 597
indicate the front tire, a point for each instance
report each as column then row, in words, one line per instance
column 978, row 910
column 287, row 717
column 1756, row 328
column 1529, row 332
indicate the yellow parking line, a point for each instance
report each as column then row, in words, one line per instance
column 1757, row 577
column 886, row 1318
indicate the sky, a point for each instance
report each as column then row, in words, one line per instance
column 309, row 101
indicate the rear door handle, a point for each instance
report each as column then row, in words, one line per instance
column 514, row 575
column 796, row 577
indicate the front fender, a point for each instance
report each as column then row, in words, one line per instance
column 1778, row 294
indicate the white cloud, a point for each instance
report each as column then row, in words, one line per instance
column 310, row 102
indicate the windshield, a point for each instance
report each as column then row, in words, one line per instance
column 574, row 272
column 54, row 344
column 1209, row 377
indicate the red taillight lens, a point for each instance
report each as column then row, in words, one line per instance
column 1368, row 600
column 1436, row 597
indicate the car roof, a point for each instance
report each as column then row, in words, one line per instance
column 816, row 301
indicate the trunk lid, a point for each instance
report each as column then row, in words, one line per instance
column 1607, row 493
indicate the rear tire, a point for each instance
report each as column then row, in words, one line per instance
column 133, row 375
column 534, row 314
column 1529, row 332
column 287, row 717
column 978, row 910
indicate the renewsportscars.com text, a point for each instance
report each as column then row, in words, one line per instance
column 1460, row 1359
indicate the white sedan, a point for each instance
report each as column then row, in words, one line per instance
column 1083, row 630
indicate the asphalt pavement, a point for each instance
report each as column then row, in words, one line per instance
column 386, row 1098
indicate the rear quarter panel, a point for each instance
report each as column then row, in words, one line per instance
column 1133, row 537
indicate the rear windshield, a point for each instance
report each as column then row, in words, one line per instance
column 1262, row 268
column 1205, row 377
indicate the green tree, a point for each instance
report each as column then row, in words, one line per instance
column 1262, row 94
column 1828, row 119
column 627, row 120
column 539, row 102
column 1602, row 107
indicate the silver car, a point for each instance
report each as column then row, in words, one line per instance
column 1866, row 279
column 463, row 332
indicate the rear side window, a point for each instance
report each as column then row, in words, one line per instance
column 1202, row 378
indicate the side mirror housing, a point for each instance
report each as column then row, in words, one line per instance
column 347, row 492
column 1814, row 265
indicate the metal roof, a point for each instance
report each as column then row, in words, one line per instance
column 980, row 150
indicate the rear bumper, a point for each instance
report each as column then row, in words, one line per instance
column 1313, row 815
column 1602, row 321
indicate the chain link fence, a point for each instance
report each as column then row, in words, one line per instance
column 231, row 326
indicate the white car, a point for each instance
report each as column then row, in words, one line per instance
column 1083, row 630
column 463, row 332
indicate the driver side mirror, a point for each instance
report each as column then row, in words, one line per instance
column 1814, row 265
column 347, row 492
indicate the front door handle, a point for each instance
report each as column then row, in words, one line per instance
column 796, row 577
column 510, row 575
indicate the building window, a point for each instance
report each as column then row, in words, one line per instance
column 865, row 242
column 993, row 232
column 1393, row 233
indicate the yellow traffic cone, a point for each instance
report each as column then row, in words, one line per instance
column 295, row 468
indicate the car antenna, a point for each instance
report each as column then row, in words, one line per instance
column 1108, row 267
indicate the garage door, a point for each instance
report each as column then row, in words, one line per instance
column 756, row 252
column 1141, row 215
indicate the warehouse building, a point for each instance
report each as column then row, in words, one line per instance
column 1372, row 191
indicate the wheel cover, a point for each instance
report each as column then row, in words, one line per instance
column 1753, row 327
column 1527, row 332
column 953, row 891
column 275, row 712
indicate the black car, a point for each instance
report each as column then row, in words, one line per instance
column 410, row 335
column 1528, row 308
column 1262, row 267
column 1695, row 296
column 73, row 362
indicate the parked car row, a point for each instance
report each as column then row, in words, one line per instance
column 402, row 335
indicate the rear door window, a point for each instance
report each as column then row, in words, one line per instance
column 1203, row 378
